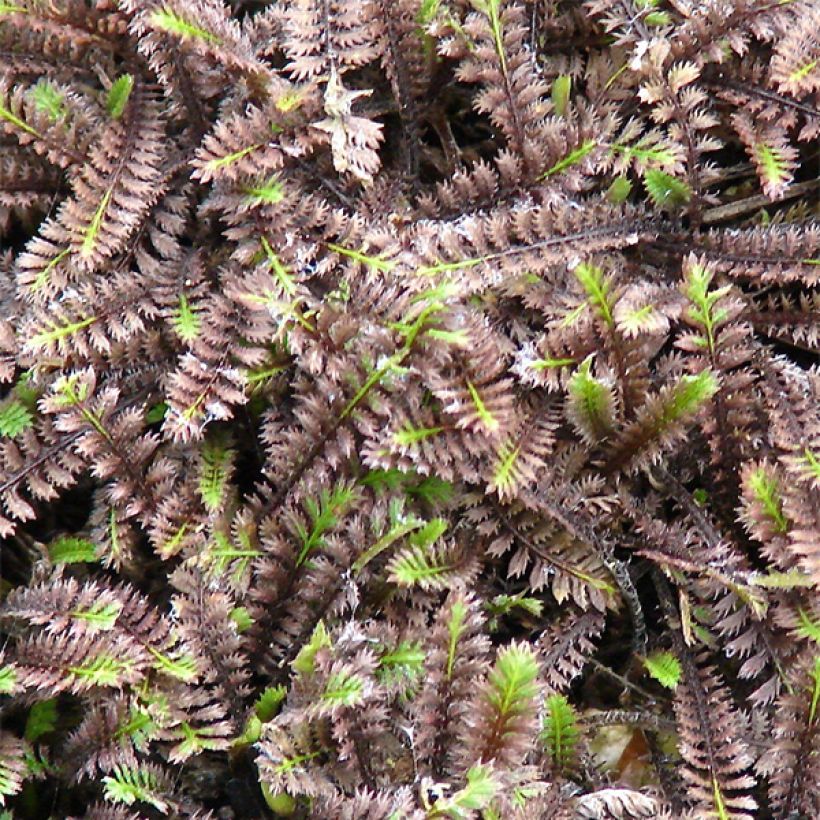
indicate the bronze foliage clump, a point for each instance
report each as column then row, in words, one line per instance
column 409, row 409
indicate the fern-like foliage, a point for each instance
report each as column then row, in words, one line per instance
column 370, row 372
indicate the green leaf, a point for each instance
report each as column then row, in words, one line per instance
column 104, row 670
column 637, row 320
column 12, row 118
column 305, row 661
column 560, row 731
column 504, row 604
column 222, row 553
column 285, row 279
column 405, row 661
column 118, row 94
column 766, row 491
column 793, row 579
column 811, row 464
column 688, row 396
column 665, row 668
column 156, row 413
column 48, row 100
column 482, row 786
column 170, row 22
column 93, row 229
column 375, row 262
column 505, row 476
column 704, row 311
column 384, row 480
column 803, row 71
column 551, row 364
column 432, row 490
column 455, row 628
column 170, row 547
column 590, row 404
column 268, row 703
column 132, row 785
column 194, row 741
column 773, row 164
column 280, row 803
column 489, row 421
column 700, row 496
column 45, row 273
column 14, row 418
column 806, row 627
column 429, row 533
column 41, row 719
column 648, row 153
column 220, row 162
column 815, row 695
column 492, row 8
column 215, row 472
column 139, row 727
column 8, row 680
column 572, row 158
column 99, row 615
column 598, row 289
column 56, row 332
column 561, row 87
column 666, row 191
column 511, row 686
column 619, row 190
column 242, row 618
column 343, row 688
column 408, row 435
column 720, row 804
column 269, row 192
column 397, row 530
column 182, row 667
column 427, row 12
column 324, row 516
column 70, row 550
column 419, row 567
column 185, row 320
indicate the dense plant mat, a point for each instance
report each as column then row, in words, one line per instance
column 409, row 409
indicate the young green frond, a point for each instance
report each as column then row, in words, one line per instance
column 68, row 550
column 342, row 688
column 143, row 784
column 664, row 667
column 215, row 472
column 666, row 191
column 598, row 288
column 49, row 100
column 167, row 20
column 481, row 787
column 590, row 405
column 185, row 320
column 8, row 680
column 323, row 514
column 775, row 165
column 118, row 94
column 506, row 707
column 15, row 417
column 427, row 566
column 560, row 733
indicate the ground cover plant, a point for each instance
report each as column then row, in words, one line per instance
column 409, row 409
